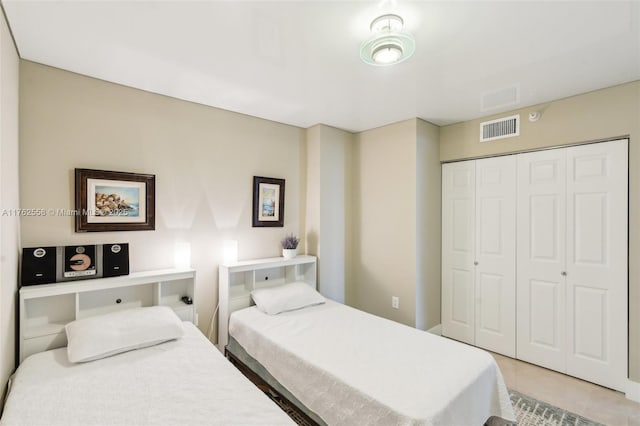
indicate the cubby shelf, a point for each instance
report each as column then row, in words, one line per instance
column 237, row 280
column 45, row 309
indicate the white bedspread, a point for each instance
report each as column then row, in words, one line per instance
column 184, row 382
column 353, row 368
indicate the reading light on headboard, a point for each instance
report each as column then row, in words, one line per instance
column 230, row 251
column 182, row 256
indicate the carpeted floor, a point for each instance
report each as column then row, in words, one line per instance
column 528, row 411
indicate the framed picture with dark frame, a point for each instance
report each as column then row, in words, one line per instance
column 114, row 201
column 268, row 202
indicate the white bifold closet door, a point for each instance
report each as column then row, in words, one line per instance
column 572, row 261
column 495, row 268
column 478, row 271
column 541, row 258
column 458, row 250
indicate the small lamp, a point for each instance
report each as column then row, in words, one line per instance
column 230, row 251
column 182, row 256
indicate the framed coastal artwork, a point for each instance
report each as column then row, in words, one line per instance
column 268, row 202
column 114, row 201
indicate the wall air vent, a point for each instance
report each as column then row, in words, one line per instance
column 505, row 127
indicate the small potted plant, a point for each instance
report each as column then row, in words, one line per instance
column 290, row 246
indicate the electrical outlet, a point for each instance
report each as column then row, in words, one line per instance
column 395, row 302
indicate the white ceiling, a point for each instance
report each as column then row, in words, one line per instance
column 297, row 62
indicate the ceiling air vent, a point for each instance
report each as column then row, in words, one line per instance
column 506, row 127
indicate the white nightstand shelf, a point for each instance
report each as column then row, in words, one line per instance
column 46, row 309
column 237, row 280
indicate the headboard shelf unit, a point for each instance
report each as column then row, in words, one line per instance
column 46, row 309
column 237, row 280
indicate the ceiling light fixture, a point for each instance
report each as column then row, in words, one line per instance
column 388, row 45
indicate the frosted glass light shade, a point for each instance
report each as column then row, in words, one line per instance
column 387, row 53
column 399, row 46
column 387, row 23
column 388, row 45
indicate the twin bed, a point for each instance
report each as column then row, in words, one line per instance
column 184, row 381
column 339, row 365
column 343, row 366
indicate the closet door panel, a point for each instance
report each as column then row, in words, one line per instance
column 597, row 262
column 545, row 313
column 458, row 239
column 541, row 233
column 495, row 254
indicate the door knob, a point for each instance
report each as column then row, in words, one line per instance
column 563, row 273
column 475, row 263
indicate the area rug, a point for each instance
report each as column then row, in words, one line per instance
column 531, row 412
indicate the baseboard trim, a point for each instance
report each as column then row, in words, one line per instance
column 437, row 330
column 633, row 391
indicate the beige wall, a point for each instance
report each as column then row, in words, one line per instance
column 203, row 158
column 428, row 225
column 312, row 219
column 603, row 114
column 384, row 209
column 329, row 156
column 9, row 225
column 373, row 218
column 396, row 223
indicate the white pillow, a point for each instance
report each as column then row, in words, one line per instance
column 105, row 335
column 288, row 297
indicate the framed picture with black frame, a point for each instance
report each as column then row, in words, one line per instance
column 268, row 202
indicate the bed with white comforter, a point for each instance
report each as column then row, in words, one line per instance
column 180, row 382
column 353, row 368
